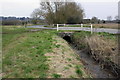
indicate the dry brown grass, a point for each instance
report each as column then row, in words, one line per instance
column 105, row 51
column 102, row 48
column 108, row 25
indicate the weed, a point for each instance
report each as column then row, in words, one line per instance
column 72, row 76
column 78, row 70
column 78, row 58
column 62, row 52
column 66, row 68
column 69, row 59
column 56, row 75
column 57, row 46
column 69, row 65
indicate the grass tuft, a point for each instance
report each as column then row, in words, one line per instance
column 56, row 75
column 78, row 70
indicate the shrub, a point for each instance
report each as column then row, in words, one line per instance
column 11, row 22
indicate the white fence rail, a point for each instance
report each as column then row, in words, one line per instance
column 81, row 26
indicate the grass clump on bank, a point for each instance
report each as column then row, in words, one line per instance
column 23, row 53
column 56, row 75
column 78, row 70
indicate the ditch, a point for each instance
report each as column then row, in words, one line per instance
column 90, row 64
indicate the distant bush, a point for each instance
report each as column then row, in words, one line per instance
column 11, row 22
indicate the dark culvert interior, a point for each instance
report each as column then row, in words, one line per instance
column 90, row 64
column 67, row 38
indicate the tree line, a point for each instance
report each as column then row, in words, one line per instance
column 65, row 13
column 19, row 21
column 59, row 12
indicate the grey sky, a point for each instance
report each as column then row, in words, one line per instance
column 98, row 8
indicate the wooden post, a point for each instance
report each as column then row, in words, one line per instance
column 57, row 27
column 91, row 28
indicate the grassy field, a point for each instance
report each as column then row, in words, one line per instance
column 23, row 53
column 109, row 25
column 35, row 54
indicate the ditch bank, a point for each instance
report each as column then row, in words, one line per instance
column 96, row 60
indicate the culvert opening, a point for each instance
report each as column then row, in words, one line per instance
column 67, row 38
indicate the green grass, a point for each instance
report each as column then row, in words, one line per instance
column 69, row 59
column 56, row 75
column 83, row 34
column 66, row 67
column 69, row 65
column 23, row 53
column 78, row 70
column 57, row 46
column 73, row 26
column 108, row 35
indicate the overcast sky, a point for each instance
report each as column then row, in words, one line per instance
column 23, row 8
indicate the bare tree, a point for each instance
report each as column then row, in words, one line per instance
column 94, row 20
column 60, row 12
column 50, row 10
column 37, row 14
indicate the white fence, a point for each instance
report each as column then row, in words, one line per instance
column 81, row 25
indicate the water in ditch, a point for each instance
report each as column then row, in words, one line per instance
column 89, row 63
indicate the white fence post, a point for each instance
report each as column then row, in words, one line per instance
column 81, row 25
column 64, row 24
column 91, row 28
column 57, row 27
